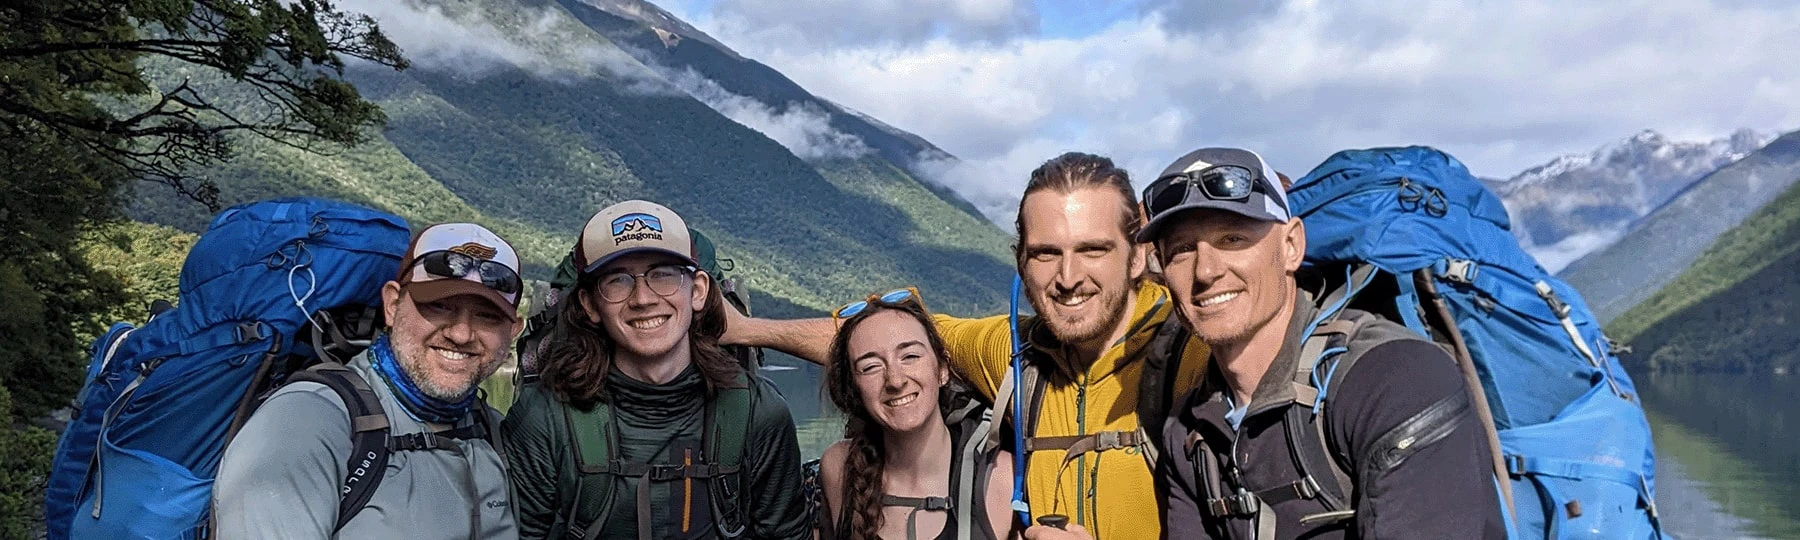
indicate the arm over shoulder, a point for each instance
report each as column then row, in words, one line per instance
column 534, row 446
column 980, row 349
column 773, row 469
column 280, row 476
column 1415, row 444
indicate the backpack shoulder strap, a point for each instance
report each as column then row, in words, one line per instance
column 368, row 434
column 1156, row 389
column 727, row 433
column 591, row 431
column 1335, row 347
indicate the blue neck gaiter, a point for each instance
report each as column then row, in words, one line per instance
column 421, row 406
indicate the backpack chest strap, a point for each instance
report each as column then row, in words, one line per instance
column 1082, row 444
column 664, row 472
column 938, row 504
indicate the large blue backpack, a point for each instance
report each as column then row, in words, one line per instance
column 1409, row 234
column 257, row 294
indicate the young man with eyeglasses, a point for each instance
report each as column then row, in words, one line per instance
column 641, row 425
column 451, row 314
column 1398, row 453
column 1092, row 342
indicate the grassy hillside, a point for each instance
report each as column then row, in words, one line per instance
column 1736, row 309
column 534, row 155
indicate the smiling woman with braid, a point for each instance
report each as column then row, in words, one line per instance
column 916, row 461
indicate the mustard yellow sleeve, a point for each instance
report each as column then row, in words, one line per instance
column 980, row 349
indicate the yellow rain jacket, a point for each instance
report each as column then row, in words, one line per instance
column 1109, row 492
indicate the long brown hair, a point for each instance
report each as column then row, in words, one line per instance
column 580, row 352
column 862, row 467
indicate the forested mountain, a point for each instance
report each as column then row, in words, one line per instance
column 549, row 111
column 1736, row 309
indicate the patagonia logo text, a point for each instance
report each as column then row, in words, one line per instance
column 636, row 227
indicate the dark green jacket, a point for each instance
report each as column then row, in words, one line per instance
column 657, row 424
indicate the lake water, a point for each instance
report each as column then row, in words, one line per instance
column 1728, row 464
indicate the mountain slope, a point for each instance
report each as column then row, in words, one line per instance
column 535, row 140
column 1736, row 309
column 1614, row 279
column 1580, row 203
column 642, row 30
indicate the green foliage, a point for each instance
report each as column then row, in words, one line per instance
column 1734, row 309
column 56, row 55
column 24, row 466
column 53, row 189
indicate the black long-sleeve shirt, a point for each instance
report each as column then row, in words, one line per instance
column 1442, row 488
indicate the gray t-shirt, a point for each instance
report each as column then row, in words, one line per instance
column 281, row 475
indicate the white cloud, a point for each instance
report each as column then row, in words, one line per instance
column 802, row 128
column 543, row 41
column 836, row 22
column 1501, row 85
column 1557, row 256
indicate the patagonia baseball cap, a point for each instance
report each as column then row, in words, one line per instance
column 632, row 227
column 451, row 259
column 1230, row 179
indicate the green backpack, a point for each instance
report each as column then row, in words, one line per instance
column 596, row 436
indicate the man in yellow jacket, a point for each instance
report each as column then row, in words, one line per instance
column 1097, row 314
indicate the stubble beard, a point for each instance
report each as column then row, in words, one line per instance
column 1112, row 304
column 411, row 354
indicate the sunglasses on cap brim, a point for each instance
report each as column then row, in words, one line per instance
column 453, row 265
column 894, row 298
column 1218, row 183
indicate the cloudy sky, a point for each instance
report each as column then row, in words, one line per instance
column 1503, row 85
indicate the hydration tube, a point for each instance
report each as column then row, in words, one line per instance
column 1017, row 367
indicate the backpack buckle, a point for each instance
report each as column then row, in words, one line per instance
column 1242, row 503
column 1460, row 271
column 663, row 472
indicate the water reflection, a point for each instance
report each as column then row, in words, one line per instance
column 819, row 424
column 1728, row 465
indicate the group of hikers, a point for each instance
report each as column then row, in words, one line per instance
column 1157, row 385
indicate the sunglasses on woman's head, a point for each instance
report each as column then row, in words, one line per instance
column 896, row 297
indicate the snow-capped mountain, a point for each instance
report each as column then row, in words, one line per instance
column 1577, row 204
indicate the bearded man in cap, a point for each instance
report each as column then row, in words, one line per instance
column 451, row 314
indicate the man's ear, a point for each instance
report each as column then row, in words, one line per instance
column 1294, row 245
column 1140, row 254
column 702, row 287
column 391, row 297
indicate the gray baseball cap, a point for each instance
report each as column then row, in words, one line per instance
column 1231, row 179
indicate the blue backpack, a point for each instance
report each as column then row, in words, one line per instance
column 1408, row 234
column 268, row 289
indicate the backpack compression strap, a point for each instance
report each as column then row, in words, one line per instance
column 595, row 434
column 368, row 435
